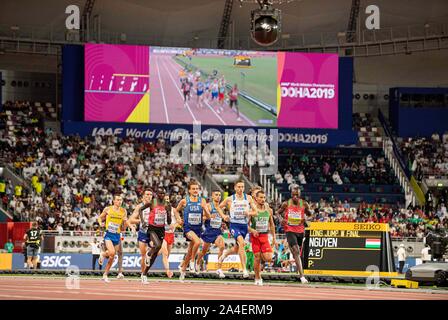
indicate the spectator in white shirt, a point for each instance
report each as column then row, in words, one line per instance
column 288, row 177
column 96, row 251
column 337, row 178
column 426, row 256
column 370, row 162
column 278, row 178
column 301, row 177
column 401, row 253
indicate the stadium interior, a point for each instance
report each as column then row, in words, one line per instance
column 385, row 163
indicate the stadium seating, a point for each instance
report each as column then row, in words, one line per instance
column 426, row 157
column 369, row 130
column 364, row 175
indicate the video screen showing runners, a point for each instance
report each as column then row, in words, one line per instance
column 215, row 87
column 210, row 86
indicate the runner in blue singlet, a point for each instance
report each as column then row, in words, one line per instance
column 194, row 210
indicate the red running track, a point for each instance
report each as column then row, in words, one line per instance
column 167, row 101
column 12, row 288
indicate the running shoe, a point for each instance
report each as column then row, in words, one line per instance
column 105, row 278
column 144, row 279
column 196, row 269
column 220, row 273
column 182, row 276
column 245, row 274
column 258, row 282
column 238, row 119
column 303, row 279
column 120, row 276
column 192, row 266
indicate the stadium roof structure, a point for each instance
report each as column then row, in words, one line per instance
column 197, row 22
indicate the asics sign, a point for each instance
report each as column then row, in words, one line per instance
column 55, row 262
column 129, row 262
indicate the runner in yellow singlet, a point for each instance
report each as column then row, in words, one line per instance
column 116, row 218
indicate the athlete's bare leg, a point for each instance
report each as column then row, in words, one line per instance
column 296, row 254
column 219, row 242
column 120, row 258
column 189, row 249
column 227, row 253
column 143, row 247
column 202, row 253
column 195, row 242
column 242, row 252
column 153, row 250
column 165, row 252
column 30, row 263
column 111, row 249
column 257, row 265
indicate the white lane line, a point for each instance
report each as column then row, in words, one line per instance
column 180, row 93
column 30, row 297
column 163, row 92
column 220, row 119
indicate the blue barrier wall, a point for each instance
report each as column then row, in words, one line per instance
column 409, row 263
column 408, row 121
column 72, row 83
column 345, row 93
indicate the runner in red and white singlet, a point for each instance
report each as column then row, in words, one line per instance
column 293, row 212
column 157, row 220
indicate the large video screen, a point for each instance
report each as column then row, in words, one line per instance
column 210, row 86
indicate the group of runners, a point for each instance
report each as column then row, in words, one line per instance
column 209, row 90
column 247, row 214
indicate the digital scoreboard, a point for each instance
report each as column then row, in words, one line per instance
column 341, row 248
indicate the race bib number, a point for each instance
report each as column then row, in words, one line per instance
column 113, row 227
column 239, row 215
column 159, row 219
column 262, row 225
column 216, row 222
column 294, row 219
column 194, row 218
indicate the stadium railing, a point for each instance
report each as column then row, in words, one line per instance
column 395, row 157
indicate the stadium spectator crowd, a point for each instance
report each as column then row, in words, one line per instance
column 426, row 156
column 317, row 168
column 73, row 179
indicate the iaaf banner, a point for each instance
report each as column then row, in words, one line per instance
column 286, row 137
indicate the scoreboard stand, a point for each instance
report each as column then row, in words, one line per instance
column 348, row 249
